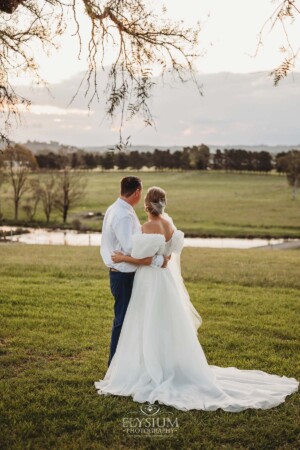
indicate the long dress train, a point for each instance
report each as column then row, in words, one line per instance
column 159, row 357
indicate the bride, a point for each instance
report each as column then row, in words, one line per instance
column 159, row 357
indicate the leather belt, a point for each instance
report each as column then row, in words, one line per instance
column 115, row 270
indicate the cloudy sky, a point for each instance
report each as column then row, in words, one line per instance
column 239, row 105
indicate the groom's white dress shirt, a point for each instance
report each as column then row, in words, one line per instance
column 119, row 224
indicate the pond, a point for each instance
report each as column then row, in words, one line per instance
column 72, row 237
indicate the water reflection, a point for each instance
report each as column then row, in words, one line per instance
column 72, row 237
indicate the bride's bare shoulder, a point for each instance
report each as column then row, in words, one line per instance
column 149, row 227
column 162, row 226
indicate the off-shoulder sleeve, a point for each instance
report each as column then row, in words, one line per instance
column 177, row 241
column 144, row 245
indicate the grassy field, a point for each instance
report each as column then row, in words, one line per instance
column 56, row 311
column 202, row 204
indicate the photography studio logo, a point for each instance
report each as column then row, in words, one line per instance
column 150, row 420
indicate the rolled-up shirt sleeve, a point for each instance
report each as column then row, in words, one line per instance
column 123, row 232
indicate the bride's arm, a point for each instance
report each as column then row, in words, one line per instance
column 120, row 257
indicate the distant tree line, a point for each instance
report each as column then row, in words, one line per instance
column 190, row 158
column 63, row 184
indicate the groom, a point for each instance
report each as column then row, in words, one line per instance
column 119, row 224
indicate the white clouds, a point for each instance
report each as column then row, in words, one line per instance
column 230, row 33
column 240, row 103
column 51, row 110
column 235, row 109
column 187, row 131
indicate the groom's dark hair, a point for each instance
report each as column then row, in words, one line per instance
column 129, row 185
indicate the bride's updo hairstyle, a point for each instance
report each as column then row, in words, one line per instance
column 155, row 201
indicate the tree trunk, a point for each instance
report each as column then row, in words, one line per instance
column 294, row 191
column 65, row 214
column 16, row 209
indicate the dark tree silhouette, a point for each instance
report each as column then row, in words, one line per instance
column 108, row 160
column 161, row 159
column 293, row 171
column 137, row 160
column 281, row 162
column 264, row 162
column 122, row 160
column 218, row 160
column 89, row 160
column 203, row 157
column 51, row 160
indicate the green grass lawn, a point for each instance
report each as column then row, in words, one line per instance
column 56, row 311
column 201, row 203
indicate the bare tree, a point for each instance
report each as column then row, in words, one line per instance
column 30, row 207
column 70, row 188
column 18, row 161
column 45, row 191
column 140, row 36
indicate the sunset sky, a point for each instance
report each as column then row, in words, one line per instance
column 239, row 106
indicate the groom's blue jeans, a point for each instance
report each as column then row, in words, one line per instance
column 121, row 287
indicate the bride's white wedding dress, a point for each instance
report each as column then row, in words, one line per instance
column 159, row 357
